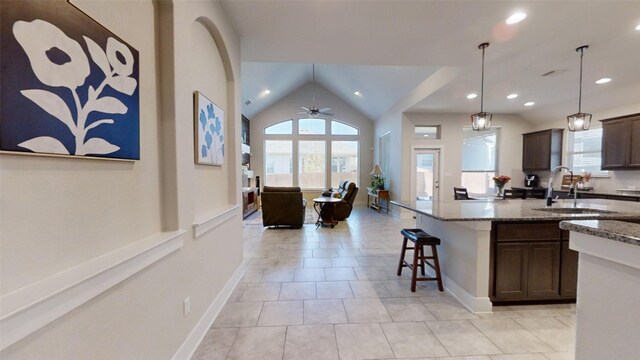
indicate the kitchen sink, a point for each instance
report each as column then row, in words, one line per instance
column 576, row 210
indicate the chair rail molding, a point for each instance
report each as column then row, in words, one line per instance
column 32, row 307
column 211, row 222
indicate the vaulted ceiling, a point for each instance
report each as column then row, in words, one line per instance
column 389, row 51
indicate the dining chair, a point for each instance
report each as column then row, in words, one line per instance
column 460, row 193
column 514, row 194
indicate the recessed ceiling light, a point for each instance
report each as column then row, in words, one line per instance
column 426, row 135
column 472, row 96
column 357, row 93
column 267, row 91
column 530, row 103
column 512, row 96
column 516, row 18
column 603, row 81
column 638, row 27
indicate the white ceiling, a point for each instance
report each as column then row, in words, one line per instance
column 385, row 49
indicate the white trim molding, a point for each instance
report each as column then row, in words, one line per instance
column 193, row 340
column 209, row 223
column 32, row 307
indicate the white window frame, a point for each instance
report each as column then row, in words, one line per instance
column 570, row 154
column 327, row 137
column 490, row 186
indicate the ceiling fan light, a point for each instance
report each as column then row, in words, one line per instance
column 481, row 121
column 579, row 121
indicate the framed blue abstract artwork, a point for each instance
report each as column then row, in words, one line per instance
column 68, row 85
column 209, row 131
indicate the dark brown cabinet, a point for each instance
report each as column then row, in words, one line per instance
column 621, row 143
column 511, row 266
column 544, row 270
column 542, row 150
column 532, row 262
column 568, row 270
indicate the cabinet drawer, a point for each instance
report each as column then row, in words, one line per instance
column 528, row 232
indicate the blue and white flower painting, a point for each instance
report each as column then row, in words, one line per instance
column 209, row 131
column 69, row 86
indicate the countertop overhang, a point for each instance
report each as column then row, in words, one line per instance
column 520, row 210
column 609, row 229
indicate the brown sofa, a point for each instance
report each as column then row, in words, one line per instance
column 341, row 210
column 283, row 206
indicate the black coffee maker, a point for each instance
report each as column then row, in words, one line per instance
column 531, row 180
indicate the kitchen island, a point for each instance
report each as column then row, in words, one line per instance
column 607, row 315
column 472, row 230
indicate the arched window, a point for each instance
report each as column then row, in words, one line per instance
column 281, row 128
column 340, row 128
column 313, row 153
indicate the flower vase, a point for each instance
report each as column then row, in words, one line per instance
column 500, row 190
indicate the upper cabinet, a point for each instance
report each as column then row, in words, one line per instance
column 621, row 143
column 542, row 150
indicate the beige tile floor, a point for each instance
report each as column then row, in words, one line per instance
column 334, row 294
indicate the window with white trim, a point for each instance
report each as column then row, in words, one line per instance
column 312, row 164
column 312, row 153
column 344, row 162
column 278, row 161
column 585, row 152
column 479, row 160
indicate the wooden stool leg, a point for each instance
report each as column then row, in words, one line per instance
column 402, row 252
column 436, row 264
column 422, row 260
column 414, row 270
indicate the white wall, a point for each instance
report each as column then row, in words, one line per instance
column 391, row 123
column 618, row 179
column 288, row 108
column 58, row 214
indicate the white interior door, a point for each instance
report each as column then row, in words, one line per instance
column 425, row 177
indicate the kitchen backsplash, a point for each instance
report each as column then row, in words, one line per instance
column 627, row 179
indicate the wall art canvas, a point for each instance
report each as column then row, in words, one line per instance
column 209, row 131
column 68, row 85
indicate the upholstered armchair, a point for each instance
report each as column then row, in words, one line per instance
column 283, row 206
column 341, row 210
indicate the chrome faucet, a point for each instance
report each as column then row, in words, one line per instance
column 573, row 189
column 550, row 188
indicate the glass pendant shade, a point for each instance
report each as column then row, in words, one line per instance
column 482, row 120
column 579, row 121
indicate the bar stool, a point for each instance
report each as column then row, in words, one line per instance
column 420, row 239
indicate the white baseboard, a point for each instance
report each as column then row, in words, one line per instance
column 193, row 340
column 32, row 307
column 472, row 303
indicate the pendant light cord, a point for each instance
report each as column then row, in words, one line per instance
column 580, row 91
column 482, row 83
column 482, row 46
column 581, row 49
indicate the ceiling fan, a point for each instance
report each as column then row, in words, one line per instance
column 313, row 111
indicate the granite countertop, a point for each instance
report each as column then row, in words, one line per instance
column 608, row 229
column 518, row 210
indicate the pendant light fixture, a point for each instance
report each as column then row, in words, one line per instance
column 482, row 120
column 579, row 121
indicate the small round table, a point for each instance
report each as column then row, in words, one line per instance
column 319, row 203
